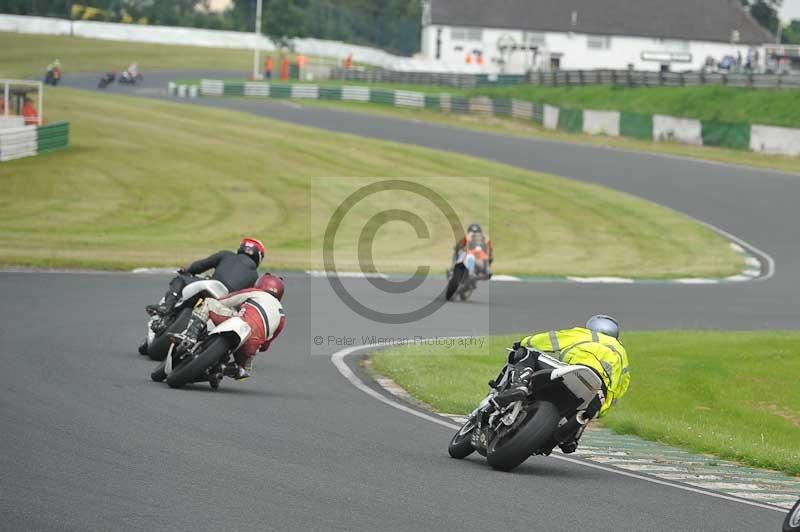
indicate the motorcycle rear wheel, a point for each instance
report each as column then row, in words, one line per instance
column 792, row 521
column 192, row 369
column 461, row 443
column 157, row 350
column 536, row 430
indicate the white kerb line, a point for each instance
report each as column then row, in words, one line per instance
column 338, row 361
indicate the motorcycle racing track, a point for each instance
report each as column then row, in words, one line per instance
column 89, row 443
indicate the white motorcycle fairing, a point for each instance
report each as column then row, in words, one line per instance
column 234, row 325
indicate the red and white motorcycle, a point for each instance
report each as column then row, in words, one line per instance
column 205, row 361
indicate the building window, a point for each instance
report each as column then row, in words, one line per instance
column 598, row 42
column 674, row 44
column 466, row 34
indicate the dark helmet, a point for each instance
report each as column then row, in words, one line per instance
column 272, row 284
column 474, row 228
column 603, row 324
column 253, row 248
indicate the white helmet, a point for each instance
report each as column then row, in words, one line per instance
column 603, row 324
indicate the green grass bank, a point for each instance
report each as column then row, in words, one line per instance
column 150, row 183
column 27, row 56
column 732, row 394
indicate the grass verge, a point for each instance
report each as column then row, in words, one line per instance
column 732, row 394
column 151, row 183
column 28, row 55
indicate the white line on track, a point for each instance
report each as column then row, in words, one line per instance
column 338, row 360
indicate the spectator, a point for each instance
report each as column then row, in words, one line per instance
column 268, row 66
column 348, row 61
column 30, row 113
column 284, row 68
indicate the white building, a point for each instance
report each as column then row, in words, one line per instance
column 514, row 36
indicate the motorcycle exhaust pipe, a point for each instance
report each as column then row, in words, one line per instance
column 572, row 425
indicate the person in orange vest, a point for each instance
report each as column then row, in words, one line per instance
column 468, row 59
column 268, row 66
column 30, row 113
column 284, row 68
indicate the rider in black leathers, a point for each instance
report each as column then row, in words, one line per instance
column 235, row 270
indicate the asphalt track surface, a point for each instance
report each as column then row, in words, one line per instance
column 89, row 443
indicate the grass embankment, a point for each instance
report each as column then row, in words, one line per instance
column 27, row 56
column 149, row 183
column 718, row 104
column 733, row 394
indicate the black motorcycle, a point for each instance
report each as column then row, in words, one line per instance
column 160, row 327
column 208, row 360
column 792, row 521
column 556, row 403
column 106, row 80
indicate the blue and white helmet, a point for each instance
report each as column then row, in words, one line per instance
column 603, row 324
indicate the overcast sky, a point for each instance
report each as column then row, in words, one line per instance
column 790, row 10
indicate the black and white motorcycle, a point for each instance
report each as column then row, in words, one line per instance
column 559, row 401
column 207, row 360
column 792, row 521
column 160, row 327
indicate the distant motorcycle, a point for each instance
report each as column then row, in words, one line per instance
column 52, row 76
column 160, row 327
column 106, row 80
column 546, row 414
column 792, row 521
column 127, row 78
column 469, row 268
column 208, row 360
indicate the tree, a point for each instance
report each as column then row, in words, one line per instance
column 791, row 32
column 765, row 12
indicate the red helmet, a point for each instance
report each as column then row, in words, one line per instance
column 252, row 248
column 272, row 284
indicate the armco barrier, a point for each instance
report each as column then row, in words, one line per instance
column 27, row 141
column 734, row 136
column 636, row 125
column 601, row 122
column 685, row 130
column 767, row 139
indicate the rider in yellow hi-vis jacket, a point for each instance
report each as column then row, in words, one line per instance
column 600, row 351
column 596, row 346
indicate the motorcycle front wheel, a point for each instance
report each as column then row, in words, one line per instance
column 508, row 450
column 191, row 368
column 454, row 281
column 792, row 521
column 461, row 443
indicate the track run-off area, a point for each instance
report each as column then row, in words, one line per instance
column 89, row 443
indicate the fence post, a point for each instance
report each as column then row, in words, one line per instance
column 724, row 79
column 580, row 77
column 683, row 79
column 750, row 80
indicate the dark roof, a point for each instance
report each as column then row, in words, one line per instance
column 706, row 20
